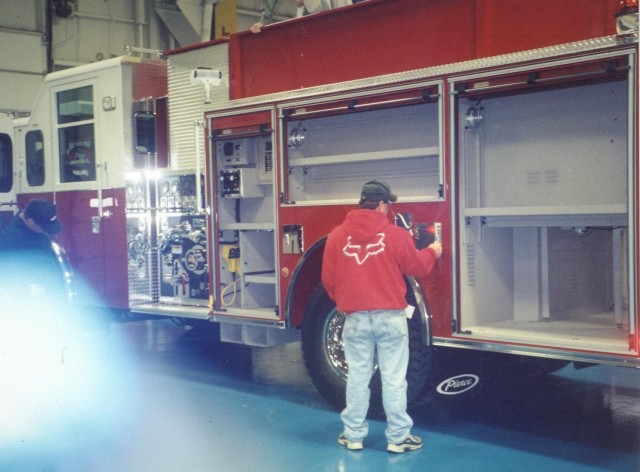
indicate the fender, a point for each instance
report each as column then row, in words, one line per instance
column 305, row 277
column 417, row 293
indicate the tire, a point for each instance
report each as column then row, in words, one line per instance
column 323, row 352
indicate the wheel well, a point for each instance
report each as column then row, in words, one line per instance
column 416, row 296
column 304, row 280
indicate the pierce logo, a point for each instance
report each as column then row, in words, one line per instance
column 458, row 384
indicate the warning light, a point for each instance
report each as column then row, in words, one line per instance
column 627, row 17
column 629, row 5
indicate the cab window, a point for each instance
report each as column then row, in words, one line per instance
column 6, row 163
column 76, row 135
column 34, row 146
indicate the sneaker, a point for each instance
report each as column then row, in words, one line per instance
column 352, row 445
column 410, row 444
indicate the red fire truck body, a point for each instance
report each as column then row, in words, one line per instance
column 203, row 188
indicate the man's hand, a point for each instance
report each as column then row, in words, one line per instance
column 424, row 235
column 437, row 248
column 256, row 27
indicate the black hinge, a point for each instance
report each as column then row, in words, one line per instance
column 460, row 88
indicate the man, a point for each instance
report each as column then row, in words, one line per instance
column 303, row 8
column 31, row 229
column 26, row 255
column 365, row 261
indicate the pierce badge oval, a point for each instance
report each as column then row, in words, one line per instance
column 458, row 384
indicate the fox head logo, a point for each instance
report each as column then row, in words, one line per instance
column 356, row 251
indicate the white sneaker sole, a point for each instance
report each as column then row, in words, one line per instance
column 402, row 448
column 352, row 446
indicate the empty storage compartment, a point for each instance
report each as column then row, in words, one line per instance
column 330, row 156
column 537, row 273
column 543, row 198
column 548, row 285
column 563, row 148
column 258, row 269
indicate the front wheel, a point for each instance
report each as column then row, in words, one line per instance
column 323, row 351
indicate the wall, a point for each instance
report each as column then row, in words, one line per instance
column 23, row 53
column 95, row 30
column 98, row 30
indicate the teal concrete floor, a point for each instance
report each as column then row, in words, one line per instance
column 154, row 396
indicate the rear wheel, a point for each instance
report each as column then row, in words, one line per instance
column 323, row 351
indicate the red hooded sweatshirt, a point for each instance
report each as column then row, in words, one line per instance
column 364, row 262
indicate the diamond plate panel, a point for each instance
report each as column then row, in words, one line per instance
column 144, row 80
column 186, row 102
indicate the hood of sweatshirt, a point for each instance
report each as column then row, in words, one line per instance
column 363, row 225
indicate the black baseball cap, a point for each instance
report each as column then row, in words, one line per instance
column 43, row 213
column 377, row 191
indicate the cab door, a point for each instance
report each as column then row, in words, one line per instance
column 78, row 181
column 7, row 187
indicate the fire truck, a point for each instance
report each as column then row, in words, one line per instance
column 201, row 185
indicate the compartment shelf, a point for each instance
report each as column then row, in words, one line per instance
column 262, row 278
column 571, row 215
column 251, row 226
column 596, row 331
column 431, row 151
column 548, row 210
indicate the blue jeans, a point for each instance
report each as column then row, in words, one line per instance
column 365, row 332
